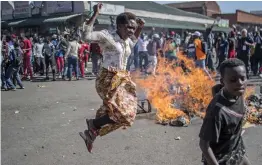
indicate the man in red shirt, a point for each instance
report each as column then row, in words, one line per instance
column 83, row 56
column 26, row 46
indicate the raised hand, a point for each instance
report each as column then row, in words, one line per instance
column 140, row 22
column 97, row 8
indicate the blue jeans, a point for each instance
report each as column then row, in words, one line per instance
column 143, row 56
column 96, row 62
column 12, row 71
column 202, row 64
column 136, row 60
column 72, row 64
column 129, row 62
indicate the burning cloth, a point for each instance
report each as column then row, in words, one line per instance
column 119, row 97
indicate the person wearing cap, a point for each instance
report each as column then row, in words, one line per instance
column 243, row 50
column 200, row 54
column 153, row 46
column 143, row 52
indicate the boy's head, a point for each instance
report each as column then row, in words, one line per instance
column 233, row 76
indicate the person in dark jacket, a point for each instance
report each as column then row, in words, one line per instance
column 15, row 58
column 243, row 52
column 48, row 51
column 257, row 57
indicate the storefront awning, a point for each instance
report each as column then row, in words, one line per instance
column 4, row 24
column 165, row 23
column 221, row 29
column 27, row 22
column 60, row 19
column 103, row 20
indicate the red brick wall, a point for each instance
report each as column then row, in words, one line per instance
column 212, row 8
column 244, row 17
column 231, row 17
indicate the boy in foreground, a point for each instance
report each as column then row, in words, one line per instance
column 220, row 136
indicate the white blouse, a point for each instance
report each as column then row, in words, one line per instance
column 115, row 51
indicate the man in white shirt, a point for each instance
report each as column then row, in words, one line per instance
column 72, row 57
column 39, row 58
column 142, row 51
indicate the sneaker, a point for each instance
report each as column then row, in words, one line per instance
column 60, row 76
column 22, row 87
column 12, row 89
column 260, row 75
column 89, row 135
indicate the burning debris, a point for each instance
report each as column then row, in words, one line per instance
column 254, row 105
column 180, row 92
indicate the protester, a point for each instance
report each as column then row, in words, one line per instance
column 96, row 57
column 72, row 57
column 143, row 53
column 222, row 49
column 220, row 136
column 209, row 38
column 257, row 57
column 232, row 45
column 39, row 57
column 153, row 46
column 243, row 53
column 48, row 51
column 110, row 116
column 15, row 58
column 170, row 49
column 200, row 53
column 27, row 49
column 83, row 56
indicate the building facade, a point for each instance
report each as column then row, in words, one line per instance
column 242, row 19
column 46, row 16
column 257, row 12
column 207, row 8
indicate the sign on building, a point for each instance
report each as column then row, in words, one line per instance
column 109, row 9
column 59, row 7
column 223, row 23
column 7, row 10
column 22, row 9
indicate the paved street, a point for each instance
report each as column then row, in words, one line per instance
column 40, row 126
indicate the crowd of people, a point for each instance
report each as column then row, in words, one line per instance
column 36, row 55
column 220, row 136
column 67, row 55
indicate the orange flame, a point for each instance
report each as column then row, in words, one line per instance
column 176, row 93
column 190, row 93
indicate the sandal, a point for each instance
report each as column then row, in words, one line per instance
column 89, row 135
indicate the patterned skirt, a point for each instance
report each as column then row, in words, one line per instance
column 119, row 97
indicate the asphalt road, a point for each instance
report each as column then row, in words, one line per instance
column 40, row 126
